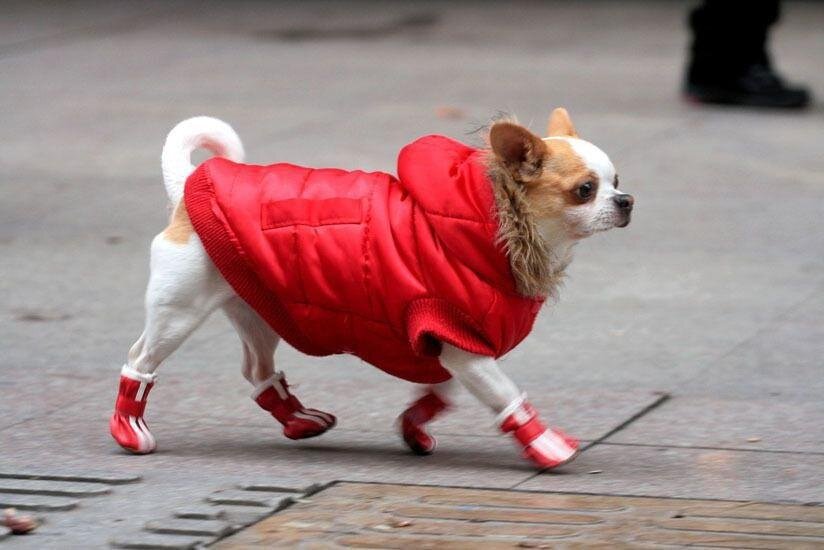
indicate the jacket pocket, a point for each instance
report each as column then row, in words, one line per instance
column 311, row 212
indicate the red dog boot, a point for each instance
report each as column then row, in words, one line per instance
column 413, row 422
column 298, row 422
column 127, row 425
column 545, row 447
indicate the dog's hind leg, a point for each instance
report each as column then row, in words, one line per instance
column 271, row 390
column 435, row 400
column 545, row 447
column 184, row 288
column 258, row 339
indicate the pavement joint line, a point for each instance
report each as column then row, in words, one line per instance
column 662, row 398
column 755, row 334
column 118, row 26
column 39, row 503
column 711, row 448
column 106, row 478
column 545, row 492
column 53, row 488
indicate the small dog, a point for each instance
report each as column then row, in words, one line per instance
column 430, row 275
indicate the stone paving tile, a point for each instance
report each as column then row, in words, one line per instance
column 199, row 511
column 781, row 362
column 86, row 475
column 38, row 502
column 151, row 541
column 187, row 526
column 775, row 424
column 51, row 488
column 689, row 473
column 402, row 516
column 238, row 497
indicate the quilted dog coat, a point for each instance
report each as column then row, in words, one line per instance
column 364, row 263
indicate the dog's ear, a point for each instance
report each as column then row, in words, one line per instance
column 519, row 150
column 560, row 124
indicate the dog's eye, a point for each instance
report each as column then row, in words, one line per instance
column 616, row 181
column 585, row 190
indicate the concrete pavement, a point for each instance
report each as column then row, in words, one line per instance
column 713, row 295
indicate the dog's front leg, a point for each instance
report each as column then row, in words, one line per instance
column 547, row 448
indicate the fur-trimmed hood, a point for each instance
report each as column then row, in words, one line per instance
column 536, row 272
column 476, row 174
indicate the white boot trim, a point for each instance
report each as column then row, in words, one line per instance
column 513, row 408
column 143, row 377
column 274, row 381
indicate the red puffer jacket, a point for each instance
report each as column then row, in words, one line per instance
column 364, row 263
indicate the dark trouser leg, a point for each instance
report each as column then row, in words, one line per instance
column 729, row 37
column 729, row 61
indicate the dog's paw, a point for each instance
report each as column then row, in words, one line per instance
column 551, row 449
column 132, row 433
column 307, row 423
column 416, row 438
column 413, row 422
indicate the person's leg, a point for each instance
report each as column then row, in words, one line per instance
column 729, row 58
column 728, row 37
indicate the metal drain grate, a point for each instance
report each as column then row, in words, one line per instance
column 403, row 516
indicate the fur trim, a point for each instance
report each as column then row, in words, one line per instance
column 537, row 273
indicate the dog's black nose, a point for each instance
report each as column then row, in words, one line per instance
column 624, row 201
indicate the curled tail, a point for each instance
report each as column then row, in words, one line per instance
column 189, row 135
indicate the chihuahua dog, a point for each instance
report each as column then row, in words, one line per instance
column 430, row 275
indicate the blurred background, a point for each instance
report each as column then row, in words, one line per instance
column 686, row 348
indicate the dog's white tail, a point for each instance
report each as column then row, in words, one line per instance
column 189, row 135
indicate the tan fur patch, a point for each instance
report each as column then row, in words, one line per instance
column 180, row 226
column 563, row 171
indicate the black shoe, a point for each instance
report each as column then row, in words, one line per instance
column 758, row 86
